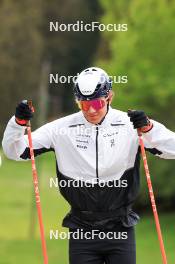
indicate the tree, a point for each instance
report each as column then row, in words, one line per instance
column 20, row 52
column 145, row 53
column 26, row 45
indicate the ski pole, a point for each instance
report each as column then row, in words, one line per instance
column 152, row 198
column 36, row 189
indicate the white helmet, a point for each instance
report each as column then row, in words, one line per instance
column 92, row 83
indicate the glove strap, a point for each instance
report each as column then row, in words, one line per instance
column 21, row 122
column 147, row 128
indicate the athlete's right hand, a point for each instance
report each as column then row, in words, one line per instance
column 23, row 113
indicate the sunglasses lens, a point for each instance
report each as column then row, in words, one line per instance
column 96, row 104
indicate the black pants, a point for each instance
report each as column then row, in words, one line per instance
column 118, row 248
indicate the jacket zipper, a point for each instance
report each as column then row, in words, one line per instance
column 97, row 152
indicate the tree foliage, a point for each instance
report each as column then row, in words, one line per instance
column 145, row 53
column 20, row 52
column 26, row 44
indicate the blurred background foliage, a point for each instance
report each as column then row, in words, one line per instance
column 145, row 54
column 27, row 45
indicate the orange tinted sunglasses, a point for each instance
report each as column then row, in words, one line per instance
column 97, row 104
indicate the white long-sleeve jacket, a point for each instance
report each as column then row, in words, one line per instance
column 108, row 152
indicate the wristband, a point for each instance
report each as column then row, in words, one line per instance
column 147, row 128
column 21, row 122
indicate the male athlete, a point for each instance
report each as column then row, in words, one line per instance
column 98, row 148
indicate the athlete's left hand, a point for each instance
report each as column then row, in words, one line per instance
column 140, row 120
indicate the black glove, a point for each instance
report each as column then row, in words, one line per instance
column 23, row 113
column 140, row 120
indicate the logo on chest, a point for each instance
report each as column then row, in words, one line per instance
column 112, row 141
column 110, row 136
column 82, row 141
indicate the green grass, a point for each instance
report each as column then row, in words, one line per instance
column 20, row 244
